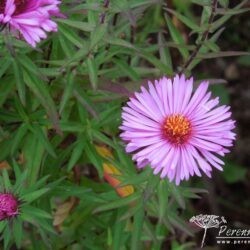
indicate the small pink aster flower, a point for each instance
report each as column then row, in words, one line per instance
column 8, row 206
column 31, row 18
column 177, row 131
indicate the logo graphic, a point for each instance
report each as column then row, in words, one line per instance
column 207, row 221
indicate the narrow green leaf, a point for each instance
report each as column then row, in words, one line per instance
column 77, row 152
column 66, row 47
column 67, row 93
column 102, row 138
column 5, row 64
column 128, row 70
column 30, row 197
column 188, row 21
column 70, row 35
column 177, row 195
column 5, row 90
column 7, row 237
column 211, row 46
column 233, row 11
column 93, row 72
column 40, row 134
column 118, row 231
column 6, row 180
column 36, row 212
column 177, row 37
column 94, row 158
column 98, row 34
column 84, row 26
column 121, row 202
column 43, row 94
column 137, row 228
column 179, row 223
column 164, row 51
column 156, row 62
column 19, row 81
column 222, row 54
column 2, row 226
column 33, row 150
column 19, row 135
column 163, row 194
column 18, row 232
column 119, row 42
column 27, row 63
column 224, row 3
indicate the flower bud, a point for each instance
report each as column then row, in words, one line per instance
column 8, row 206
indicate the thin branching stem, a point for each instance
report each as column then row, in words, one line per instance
column 203, row 37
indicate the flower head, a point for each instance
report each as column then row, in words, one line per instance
column 8, row 206
column 177, row 131
column 30, row 18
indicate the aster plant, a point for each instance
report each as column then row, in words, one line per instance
column 81, row 114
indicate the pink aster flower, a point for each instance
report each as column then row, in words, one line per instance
column 8, row 206
column 176, row 130
column 30, row 18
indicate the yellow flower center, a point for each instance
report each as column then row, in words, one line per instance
column 176, row 129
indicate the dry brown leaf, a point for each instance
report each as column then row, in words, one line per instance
column 62, row 212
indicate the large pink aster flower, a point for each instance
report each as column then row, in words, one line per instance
column 31, row 18
column 177, row 131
